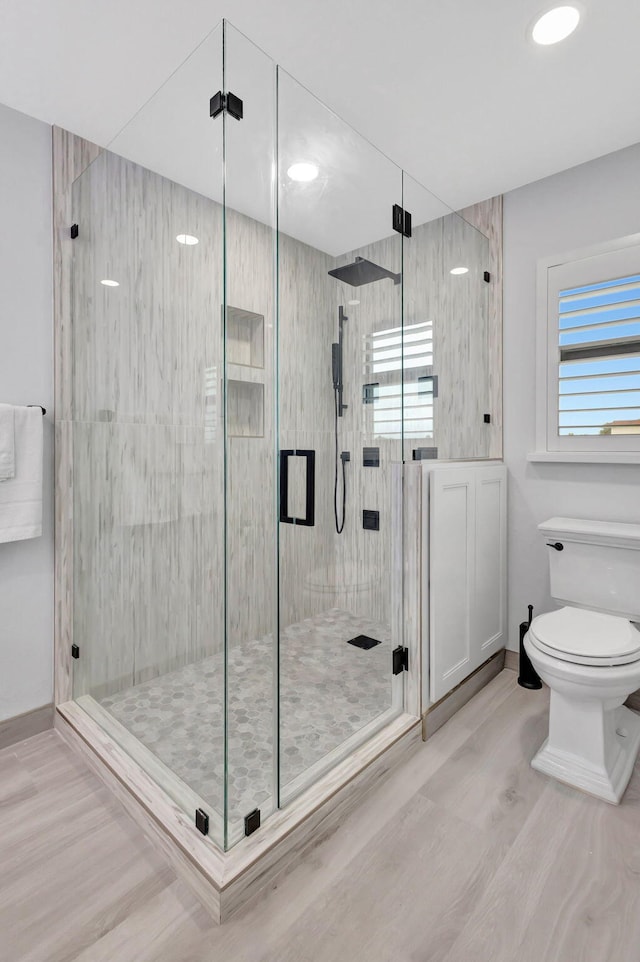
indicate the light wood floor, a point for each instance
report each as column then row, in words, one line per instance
column 464, row 855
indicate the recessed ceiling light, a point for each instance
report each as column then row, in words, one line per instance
column 108, row 283
column 459, row 270
column 187, row 239
column 555, row 25
column 353, row 303
column 303, row 171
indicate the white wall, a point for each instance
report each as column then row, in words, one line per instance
column 594, row 202
column 26, row 377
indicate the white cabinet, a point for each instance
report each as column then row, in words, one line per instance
column 464, row 552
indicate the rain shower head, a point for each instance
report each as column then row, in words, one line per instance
column 363, row 272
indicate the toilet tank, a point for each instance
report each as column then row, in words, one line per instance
column 597, row 567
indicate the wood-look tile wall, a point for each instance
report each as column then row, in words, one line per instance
column 148, row 483
column 466, row 323
column 307, row 326
column 148, row 480
column 487, row 218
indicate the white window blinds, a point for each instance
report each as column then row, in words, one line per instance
column 388, row 355
column 599, row 358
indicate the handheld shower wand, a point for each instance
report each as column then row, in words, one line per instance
column 336, row 361
column 340, row 408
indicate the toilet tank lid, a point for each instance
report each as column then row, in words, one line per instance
column 613, row 533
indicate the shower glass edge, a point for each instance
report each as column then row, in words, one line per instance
column 251, row 438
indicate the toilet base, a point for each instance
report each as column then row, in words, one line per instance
column 607, row 779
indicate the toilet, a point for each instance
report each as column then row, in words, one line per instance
column 588, row 653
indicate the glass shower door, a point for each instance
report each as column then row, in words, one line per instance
column 340, row 395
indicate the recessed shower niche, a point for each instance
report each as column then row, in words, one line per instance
column 212, row 597
column 245, row 373
column 245, row 408
column 245, row 338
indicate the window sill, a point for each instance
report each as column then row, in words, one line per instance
column 586, row 457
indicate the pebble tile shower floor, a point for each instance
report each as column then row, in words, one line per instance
column 329, row 690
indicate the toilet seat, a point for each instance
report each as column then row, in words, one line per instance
column 586, row 637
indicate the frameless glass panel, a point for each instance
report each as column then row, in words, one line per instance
column 340, row 437
column 148, row 444
column 250, row 370
column 446, row 354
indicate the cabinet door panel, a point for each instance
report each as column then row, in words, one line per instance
column 452, row 521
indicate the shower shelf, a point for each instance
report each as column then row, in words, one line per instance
column 243, row 373
column 245, row 409
column 245, row 338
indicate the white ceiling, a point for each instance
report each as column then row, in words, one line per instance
column 348, row 206
column 450, row 89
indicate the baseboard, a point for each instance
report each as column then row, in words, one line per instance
column 436, row 715
column 23, row 726
column 511, row 660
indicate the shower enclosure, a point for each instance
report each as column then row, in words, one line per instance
column 269, row 319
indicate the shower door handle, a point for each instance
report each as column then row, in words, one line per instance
column 309, row 515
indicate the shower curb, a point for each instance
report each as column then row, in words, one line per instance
column 226, row 881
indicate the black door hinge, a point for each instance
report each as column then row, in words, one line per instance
column 252, row 822
column 400, row 659
column 75, row 230
column 202, row 821
column 75, row 651
column 229, row 102
column 401, row 220
column 487, row 277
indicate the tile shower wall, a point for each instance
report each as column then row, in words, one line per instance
column 148, row 479
column 366, row 575
column 463, row 335
column 487, row 217
column 148, row 434
column 307, row 327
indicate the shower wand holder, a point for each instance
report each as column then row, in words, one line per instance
column 346, row 455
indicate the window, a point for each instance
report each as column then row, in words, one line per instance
column 589, row 354
column 390, row 356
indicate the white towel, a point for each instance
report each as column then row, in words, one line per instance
column 7, row 446
column 21, row 497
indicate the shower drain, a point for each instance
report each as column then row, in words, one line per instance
column 363, row 641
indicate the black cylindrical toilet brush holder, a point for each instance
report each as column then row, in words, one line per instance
column 528, row 676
